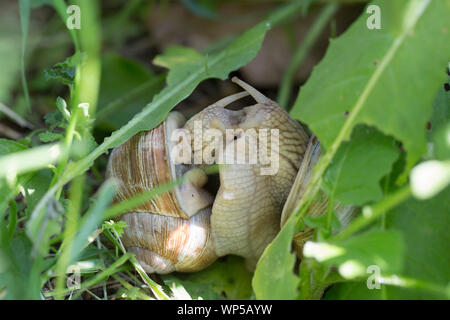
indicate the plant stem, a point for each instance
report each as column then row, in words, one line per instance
column 68, row 139
column 71, row 226
column 24, row 7
column 405, row 282
column 352, row 120
column 156, row 289
column 372, row 213
column 301, row 52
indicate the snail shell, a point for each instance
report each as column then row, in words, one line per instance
column 319, row 206
column 172, row 231
column 165, row 244
column 145, row 161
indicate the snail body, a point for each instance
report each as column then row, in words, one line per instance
column 188, row 228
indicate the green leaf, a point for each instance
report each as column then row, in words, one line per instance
column 238, row 53
column 226, row 278
column 441, row 143
column 24, row 8
column 116, row 226
column 354, row 255
column 439, row 126
column 274, row 277
column 126, row 87
column 369, row 79
column 384, row 78
column 184, row 77
column 64, row 72
column 8, row 189
column 9, row 146
column 17, row 273
column 36, row 187
column 19, row 162
column 55, row 119
column 48, row 136
column 353, row 176
column 424, row 226
column 92, row 220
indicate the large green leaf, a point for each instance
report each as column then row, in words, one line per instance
column 274, row 276
column 424, row 226
column 226, row 278
column 354, row 255
column 125, row 88
column 10, row 57
column 353, row 176
column 385, row 78
column 185, row 75
column 439, row 126
column 17, row 275
column 7, row 190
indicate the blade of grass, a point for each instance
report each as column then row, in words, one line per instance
column 154, row 82
column 87, row 77
column 370, row 214
column 156, row 288
column 24, row 8
column 314, row 32
column 17, row 163
column 12, row 218
column 70, row 228
column 92, row 219
column 15, row 117
column 61, row 8
column 94, row 280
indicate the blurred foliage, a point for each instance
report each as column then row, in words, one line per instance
column 376, row 101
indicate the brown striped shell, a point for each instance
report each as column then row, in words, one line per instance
column 145, row 161
column 165, row 244
column 172, row 231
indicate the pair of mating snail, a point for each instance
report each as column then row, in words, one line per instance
column 189, row 227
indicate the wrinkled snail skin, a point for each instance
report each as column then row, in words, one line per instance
column 143, row 162
column 247, row 208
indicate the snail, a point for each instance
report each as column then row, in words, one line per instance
column 188, row 228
